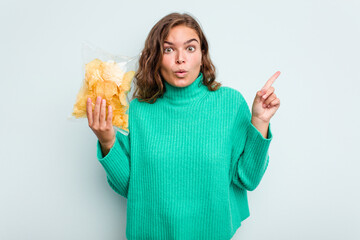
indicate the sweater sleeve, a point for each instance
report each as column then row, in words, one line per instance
column 250, row 150
column 117, row 163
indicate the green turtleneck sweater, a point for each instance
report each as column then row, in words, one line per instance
column 187, row 163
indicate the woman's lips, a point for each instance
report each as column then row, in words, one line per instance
column 181, row 74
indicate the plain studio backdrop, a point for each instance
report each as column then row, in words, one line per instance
column 52, row 185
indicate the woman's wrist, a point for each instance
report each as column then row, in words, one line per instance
column 261, row 126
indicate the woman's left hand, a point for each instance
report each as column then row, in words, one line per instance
column 266, row 103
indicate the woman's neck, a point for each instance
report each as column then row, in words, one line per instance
column 185, row 96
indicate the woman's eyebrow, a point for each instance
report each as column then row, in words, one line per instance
column 188, row 41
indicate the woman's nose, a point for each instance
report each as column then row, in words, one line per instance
column 180, row 58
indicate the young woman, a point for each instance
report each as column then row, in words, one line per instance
column 194, row 149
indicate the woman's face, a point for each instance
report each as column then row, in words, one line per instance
column 182, row 56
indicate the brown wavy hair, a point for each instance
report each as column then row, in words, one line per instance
column 148, row 80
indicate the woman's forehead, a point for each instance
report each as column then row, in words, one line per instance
column 181, row 35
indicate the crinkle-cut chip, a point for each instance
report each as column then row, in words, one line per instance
column 103, row 79
column 126, row 83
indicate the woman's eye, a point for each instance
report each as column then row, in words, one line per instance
column 191, row 49
column 167, row 49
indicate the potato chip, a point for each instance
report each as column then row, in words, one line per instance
column 127, row 81
column 110, row 82
column 110, row 89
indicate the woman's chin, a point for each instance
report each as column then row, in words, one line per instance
column 183, row 82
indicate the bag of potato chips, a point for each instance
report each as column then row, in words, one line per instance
column 110, row 77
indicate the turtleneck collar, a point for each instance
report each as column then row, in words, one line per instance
column 185, row 96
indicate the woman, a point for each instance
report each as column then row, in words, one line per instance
column 193, row 149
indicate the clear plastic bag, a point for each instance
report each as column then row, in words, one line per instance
column 109, row 76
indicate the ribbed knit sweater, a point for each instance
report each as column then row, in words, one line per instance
column 187, row 163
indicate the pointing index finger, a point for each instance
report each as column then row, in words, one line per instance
column 270, row 81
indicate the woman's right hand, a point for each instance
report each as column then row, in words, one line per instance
column 102, row 128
